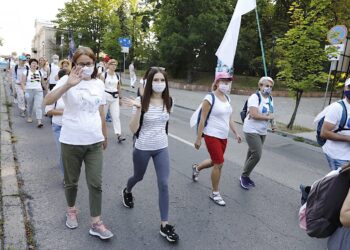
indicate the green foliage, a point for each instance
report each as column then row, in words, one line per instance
column 303, row 47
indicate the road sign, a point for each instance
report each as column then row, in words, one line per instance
column 337, row 34
column 124, row 42
column 334, row 51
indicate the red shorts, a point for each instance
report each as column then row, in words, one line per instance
column 216, row 148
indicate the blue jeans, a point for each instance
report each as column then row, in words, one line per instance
column 334, row 164
column 56, row 129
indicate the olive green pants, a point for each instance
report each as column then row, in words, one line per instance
column 72, row 157
column 255, row 143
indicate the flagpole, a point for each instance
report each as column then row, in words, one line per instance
column 261, row 43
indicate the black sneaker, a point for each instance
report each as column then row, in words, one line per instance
column 128, row 199
column 168, row 232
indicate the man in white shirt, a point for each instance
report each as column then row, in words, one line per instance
column 53, row 71
column 17, row 73
column 132, row 74
column 337, row 146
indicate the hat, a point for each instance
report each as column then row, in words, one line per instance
column 347, row 82
column 223, row 75
column 22, row 58
column 106, row 58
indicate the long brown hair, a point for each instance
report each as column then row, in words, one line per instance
column 88, row 52
column 146, row 98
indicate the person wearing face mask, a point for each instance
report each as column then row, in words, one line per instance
column 149, row 125
column 259, row 116
column 215, row 132
column 54, row 68
column 83, row 136
column 337, row 146
column 32, row 86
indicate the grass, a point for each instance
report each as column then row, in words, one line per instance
column 296, row 128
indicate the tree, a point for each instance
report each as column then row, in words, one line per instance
column 301, row 66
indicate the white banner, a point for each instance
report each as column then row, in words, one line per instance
column 227, row 50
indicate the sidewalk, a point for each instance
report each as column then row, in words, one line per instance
column 284, row 106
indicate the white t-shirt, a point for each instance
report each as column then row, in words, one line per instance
column 111, row 82
column 218, row 123
column 251, row 125
column 81, row 121
column 33, row 80
column 57, row 119
column 338, row 150
column 53, row 73
column 153, row 135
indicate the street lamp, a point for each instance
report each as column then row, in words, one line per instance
column 61, row 45
column 43, row 44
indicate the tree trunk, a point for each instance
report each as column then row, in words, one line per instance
column 297, row 102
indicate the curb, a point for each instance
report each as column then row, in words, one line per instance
column 278, row 132
column 14, row 234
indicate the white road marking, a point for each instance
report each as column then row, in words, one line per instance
column 181, row 140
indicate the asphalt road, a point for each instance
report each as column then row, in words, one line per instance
column 262, row 218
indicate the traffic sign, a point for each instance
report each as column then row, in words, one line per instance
column 337, row 34
column 124, row 42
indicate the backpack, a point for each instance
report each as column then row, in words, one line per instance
column 16, row 68
column 324, row 202
column 196, row 116
column 344, row 117
column 118, row 77
column 137, row 133
column 244, row 111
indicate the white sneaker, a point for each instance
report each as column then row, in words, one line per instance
column 217, row 199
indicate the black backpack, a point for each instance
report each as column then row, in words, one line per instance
column 344, row 117
column 16, row 68
column 245, row 107
column 324, row 203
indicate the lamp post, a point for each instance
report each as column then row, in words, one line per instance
column 43, row 44
column 61, row 45
column 272, row 54
column 79, row 36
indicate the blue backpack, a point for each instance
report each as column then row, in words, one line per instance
column 344, row 117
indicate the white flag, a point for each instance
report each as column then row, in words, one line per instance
column 227, row 50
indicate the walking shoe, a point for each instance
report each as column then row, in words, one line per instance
column 168, row 232
column 195, row 172
column 100, row 230
column 40, row 124
column 22, row 114
column 305, row 190
column 244, row 182
column 250, row 182
column 128, row 199
column 71, row 221
column 29, row 120
column 121, row 138
column 217, row 199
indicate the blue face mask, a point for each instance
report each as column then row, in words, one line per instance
column 267, row 90
column 347, row 94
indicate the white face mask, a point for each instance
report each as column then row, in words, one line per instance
column 87, row 71
column 224, row 88
column 158, row 87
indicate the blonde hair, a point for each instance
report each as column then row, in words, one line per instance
column 60, row 64
column 112, row 61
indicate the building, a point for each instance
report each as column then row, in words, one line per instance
column 44, row 41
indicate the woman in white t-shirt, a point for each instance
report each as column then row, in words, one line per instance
column 83, row 136
column 149, row 125
column 44, row 70
column 113, row 96
column 215, row 123
column 32, row 85
column 259, row 116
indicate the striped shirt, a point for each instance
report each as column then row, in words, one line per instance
column 152, row 135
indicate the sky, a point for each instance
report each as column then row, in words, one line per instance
column 17, row 20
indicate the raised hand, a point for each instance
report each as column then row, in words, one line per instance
column 75, row 76
column 130, row 102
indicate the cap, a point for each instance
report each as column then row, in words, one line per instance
column 106, row 58
column 347, row 82
column 223, row 75
column 22, row 58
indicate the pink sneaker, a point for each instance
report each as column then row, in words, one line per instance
column 71, row 221
column 100, row 230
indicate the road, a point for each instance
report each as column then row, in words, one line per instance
column 262, row 218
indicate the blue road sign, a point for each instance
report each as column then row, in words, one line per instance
column 124, row 42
